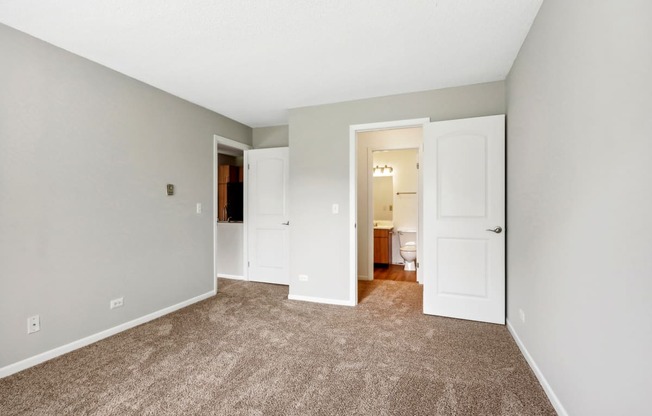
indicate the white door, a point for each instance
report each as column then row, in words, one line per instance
column 268, row 255
column 463, row 254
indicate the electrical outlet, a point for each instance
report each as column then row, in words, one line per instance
column 303, row 277
column 521, row 315
column 198, row 207
column 33, row 324
column 116, row 303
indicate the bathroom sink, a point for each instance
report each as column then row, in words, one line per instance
column 383, row 225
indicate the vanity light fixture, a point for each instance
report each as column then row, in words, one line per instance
column 383, row 170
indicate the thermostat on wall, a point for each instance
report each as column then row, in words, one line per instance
column 170, row 189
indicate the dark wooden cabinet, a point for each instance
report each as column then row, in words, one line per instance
column 382, row 246
column 226, row 174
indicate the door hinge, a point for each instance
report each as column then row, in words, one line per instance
column 248, row 264
column 417, row 165
column 417, row 264
column 248, row 166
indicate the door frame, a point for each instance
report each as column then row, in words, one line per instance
column 217, row 141
column 354, row 129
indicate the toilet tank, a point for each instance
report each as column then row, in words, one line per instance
column 407, row 237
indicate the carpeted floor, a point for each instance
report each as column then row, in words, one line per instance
column 250, row 351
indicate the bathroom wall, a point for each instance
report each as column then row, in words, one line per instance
column 366, row 143
column 405, row 179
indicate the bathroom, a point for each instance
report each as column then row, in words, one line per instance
column 399, row 149
column 395, row 213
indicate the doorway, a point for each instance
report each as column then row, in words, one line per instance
column 393, row 206
column 463, row 170
column 364, row 140
column 229, row 213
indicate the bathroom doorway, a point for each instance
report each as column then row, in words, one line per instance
column 394, row 210
column 387, row 164
column 462, row 169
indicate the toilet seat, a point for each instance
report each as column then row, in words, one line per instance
column 409, row 248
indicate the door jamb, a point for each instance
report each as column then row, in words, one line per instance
column 354, row 129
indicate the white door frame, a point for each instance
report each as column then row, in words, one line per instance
column 217, row 141
column 353, row 191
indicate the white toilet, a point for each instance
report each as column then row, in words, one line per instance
column 407, row 239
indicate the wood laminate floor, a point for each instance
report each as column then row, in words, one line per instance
column 394, row 272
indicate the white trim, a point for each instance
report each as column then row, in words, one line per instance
column 214, row 219
column 321, row 300
column 537, row 372
column 370, row 212
column 360, row 277
column 53, row 353
column 353, row 217
column 245, row 217
column 419, row 212
column 231, row 143
column 231, row 276
column 354, row 129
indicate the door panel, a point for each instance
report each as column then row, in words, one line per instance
column 462, row 173
column 463, row 264
column 464, row 273
column 268, row 218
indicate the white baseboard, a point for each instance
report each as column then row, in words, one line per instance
column 360, row 277
column 53, row 353
column 542, row 379
column 321, row 300
column 230, row 276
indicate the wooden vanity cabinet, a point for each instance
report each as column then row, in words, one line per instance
column 383, row 246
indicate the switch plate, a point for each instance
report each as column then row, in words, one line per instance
column 116, row 303
column 303, row 277
column 33, row 324
column 198, row 207
column 521, row 315
column 336, row 208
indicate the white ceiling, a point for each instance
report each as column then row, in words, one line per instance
column 251, row 60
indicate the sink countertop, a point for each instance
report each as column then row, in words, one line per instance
column 383, row 225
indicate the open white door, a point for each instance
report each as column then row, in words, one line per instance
column 463, row 253
column 268, row 215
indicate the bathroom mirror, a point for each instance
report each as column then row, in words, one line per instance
column 383, row 198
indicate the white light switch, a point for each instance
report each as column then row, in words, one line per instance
column 336, row 208
column 198, row 207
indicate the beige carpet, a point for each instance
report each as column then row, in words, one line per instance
column 250, row 351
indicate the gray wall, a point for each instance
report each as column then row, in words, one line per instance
column 272, row 136
column 85, row 154
column 579, row 203
column 319, row 174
